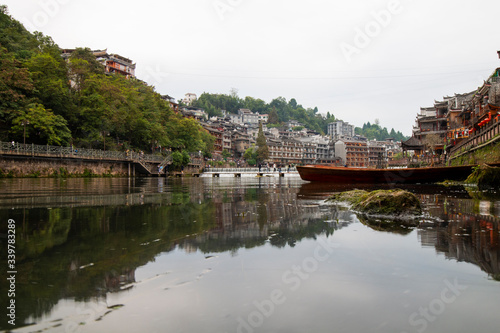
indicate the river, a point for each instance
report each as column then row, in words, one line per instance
column 243, row 255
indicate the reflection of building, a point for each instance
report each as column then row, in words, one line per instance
column 465, row 236
column 251, row 217
column 115, row 281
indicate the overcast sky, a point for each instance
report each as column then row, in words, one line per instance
column 358, row 59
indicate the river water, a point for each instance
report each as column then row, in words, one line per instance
column 244, row 255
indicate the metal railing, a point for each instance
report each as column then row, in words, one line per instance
column 14, row 148
column 256, row 170
column 483, row 135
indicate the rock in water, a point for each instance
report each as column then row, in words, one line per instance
column 486, row 177
column 382, row 202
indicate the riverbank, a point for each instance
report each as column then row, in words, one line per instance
column 44, row 168
column 488, row 153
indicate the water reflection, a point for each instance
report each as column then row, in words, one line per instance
column 84, row 239
column 88, row 245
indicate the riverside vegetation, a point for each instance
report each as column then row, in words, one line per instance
column 48, row 100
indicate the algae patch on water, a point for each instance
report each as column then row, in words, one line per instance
column 395, row 202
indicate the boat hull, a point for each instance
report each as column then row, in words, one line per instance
column 342, row 175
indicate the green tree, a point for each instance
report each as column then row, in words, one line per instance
column 50, row 81
column 226, row 154
column 177, row 160
column 15, row 85
column 185, row 158
column 250, row 155
column 41, row 126
column 262, row 148
column 273, row 117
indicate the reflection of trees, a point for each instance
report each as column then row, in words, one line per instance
column 83, row 252
column 97, row 252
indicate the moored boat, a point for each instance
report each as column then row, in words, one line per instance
column 344, row 175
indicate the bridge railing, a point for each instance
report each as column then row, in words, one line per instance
column 256, row 170
column 15, row 148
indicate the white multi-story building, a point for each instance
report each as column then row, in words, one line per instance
column 189, row 98
column 263, row 117
column 340, row 128
column 248, row 117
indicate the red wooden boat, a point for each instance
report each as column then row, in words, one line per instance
column 344, row 175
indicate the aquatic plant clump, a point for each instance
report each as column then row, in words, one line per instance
column 381, row 202
column 486, row 177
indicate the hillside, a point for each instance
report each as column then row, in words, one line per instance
column 281, row 111
column 48, row 100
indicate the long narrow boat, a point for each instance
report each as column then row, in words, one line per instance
column 344, row 175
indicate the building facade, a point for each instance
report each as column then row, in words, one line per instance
column 353, row 153
column 340, row 128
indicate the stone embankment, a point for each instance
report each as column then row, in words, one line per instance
column 35, row 167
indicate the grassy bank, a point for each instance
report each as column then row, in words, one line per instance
column 484, row 155
column 58, row 173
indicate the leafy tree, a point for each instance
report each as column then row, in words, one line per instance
column 226, row 154
column 250, row 155
column 431, row 141
column 177, row 160
column 256, row 105
column 50, row 81
column 14, row 37
column 40, row 126
column 262, row 148
column 185, row 158
column 15, row 85
column 273, row 117
column 374, row 131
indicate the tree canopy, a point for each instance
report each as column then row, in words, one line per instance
column 50, row 100
column 262, row 148
column 375, row 131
